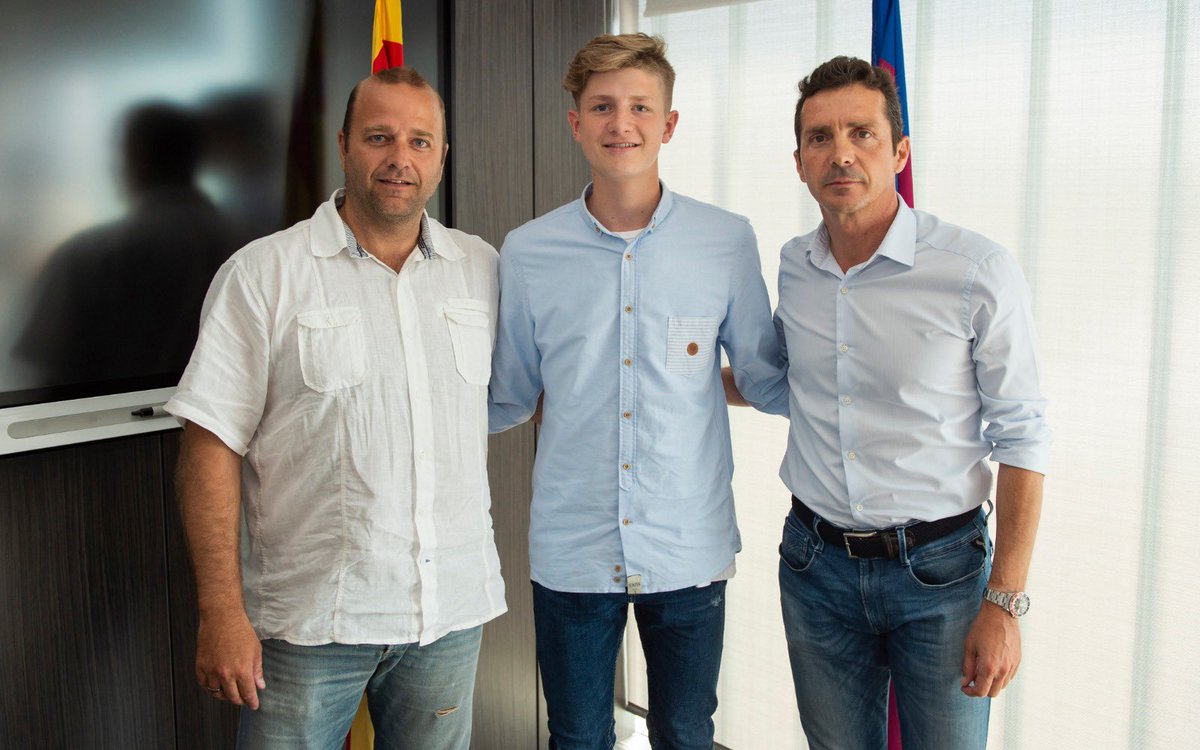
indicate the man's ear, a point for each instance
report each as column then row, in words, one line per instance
column 799, row 165
column 342, row 148
column 672, row 121
column 573, row 122
column 902, row 152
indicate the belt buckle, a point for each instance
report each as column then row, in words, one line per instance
column 847, row 535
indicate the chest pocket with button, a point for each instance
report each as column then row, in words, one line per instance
column 691, row 343
column 333, row 348
column 471, row 337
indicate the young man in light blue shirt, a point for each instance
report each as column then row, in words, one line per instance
column 615, row 306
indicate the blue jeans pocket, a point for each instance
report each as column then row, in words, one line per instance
column 950, row 562
column 797, row 550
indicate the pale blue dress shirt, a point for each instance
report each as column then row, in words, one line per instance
column 906, row 373
column 631, row 484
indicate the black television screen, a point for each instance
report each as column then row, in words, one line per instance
column 141, row 143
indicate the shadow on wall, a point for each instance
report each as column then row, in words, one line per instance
column 123, row 299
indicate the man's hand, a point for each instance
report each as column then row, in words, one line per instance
column 733, row 397
column 229, row 660
column 992, row 652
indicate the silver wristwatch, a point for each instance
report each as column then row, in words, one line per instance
column 1015, row 603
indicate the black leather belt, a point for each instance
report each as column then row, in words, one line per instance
column 884, row 542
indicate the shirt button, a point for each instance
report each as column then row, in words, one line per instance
column 843, row 348
column 628, row 361
column 628, row 256
column 626, row 521
column 627, row 414
column 625, row 467
column 628, row 308
column 617, row 568
column 616, row 579
column 846, row 400
column 851, row 455
column 845, row 290
column 858, row 507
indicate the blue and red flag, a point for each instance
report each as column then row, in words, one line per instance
column 887, row 51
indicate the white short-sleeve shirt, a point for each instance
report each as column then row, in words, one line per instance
column 358, row 398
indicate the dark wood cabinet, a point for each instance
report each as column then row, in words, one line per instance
column 97, row 635
column 85, row 649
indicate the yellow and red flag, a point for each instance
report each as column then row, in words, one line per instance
column 387, row 40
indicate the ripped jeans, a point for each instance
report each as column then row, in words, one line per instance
column 577, row 640
column 419, row 696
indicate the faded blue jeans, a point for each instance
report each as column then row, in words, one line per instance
column 853, row 624
column 577, row 640
column 419, row 696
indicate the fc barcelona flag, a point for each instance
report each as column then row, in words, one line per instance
column 887, row 51
column 387, row 41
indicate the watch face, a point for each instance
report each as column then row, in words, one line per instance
column 1019, row 604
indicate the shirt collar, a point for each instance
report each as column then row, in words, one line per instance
column 433, row 239
column 899, row 244
column 665, row 202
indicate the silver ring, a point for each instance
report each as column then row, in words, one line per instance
column 214, row 691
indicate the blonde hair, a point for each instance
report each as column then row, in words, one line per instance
column 609, row 52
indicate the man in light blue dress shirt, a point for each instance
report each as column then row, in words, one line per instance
column 912, row 360
column 615, row 307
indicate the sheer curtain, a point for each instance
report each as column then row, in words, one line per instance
column 1057, row 129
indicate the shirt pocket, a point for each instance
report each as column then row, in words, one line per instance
column 333, row 348
column 691, row 343
column 471, row 337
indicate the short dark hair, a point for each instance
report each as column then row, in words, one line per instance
column 406, row 76
column 845, row 71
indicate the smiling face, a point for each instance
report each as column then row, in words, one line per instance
column 846, row 156
column 621, row 124
column 393, row 153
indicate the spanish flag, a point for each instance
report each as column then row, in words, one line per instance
column 387, row 41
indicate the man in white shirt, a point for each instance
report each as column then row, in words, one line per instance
column 336, row 403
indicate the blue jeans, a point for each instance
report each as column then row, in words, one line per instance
column 577, row 640
column 853, row 624
column 419, row 696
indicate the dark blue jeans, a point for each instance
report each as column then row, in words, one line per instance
column 578, row 636
column 854, row 624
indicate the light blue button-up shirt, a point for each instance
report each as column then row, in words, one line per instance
column 631, row 485
column 906, row 373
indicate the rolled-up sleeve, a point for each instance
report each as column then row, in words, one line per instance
column 1004, row 350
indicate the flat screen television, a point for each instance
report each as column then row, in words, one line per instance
column 141, row 143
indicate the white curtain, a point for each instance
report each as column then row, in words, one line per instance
column 1065, row 131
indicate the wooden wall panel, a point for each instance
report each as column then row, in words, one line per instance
column 491, row 151
column 84, row 652
column 561, row 28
